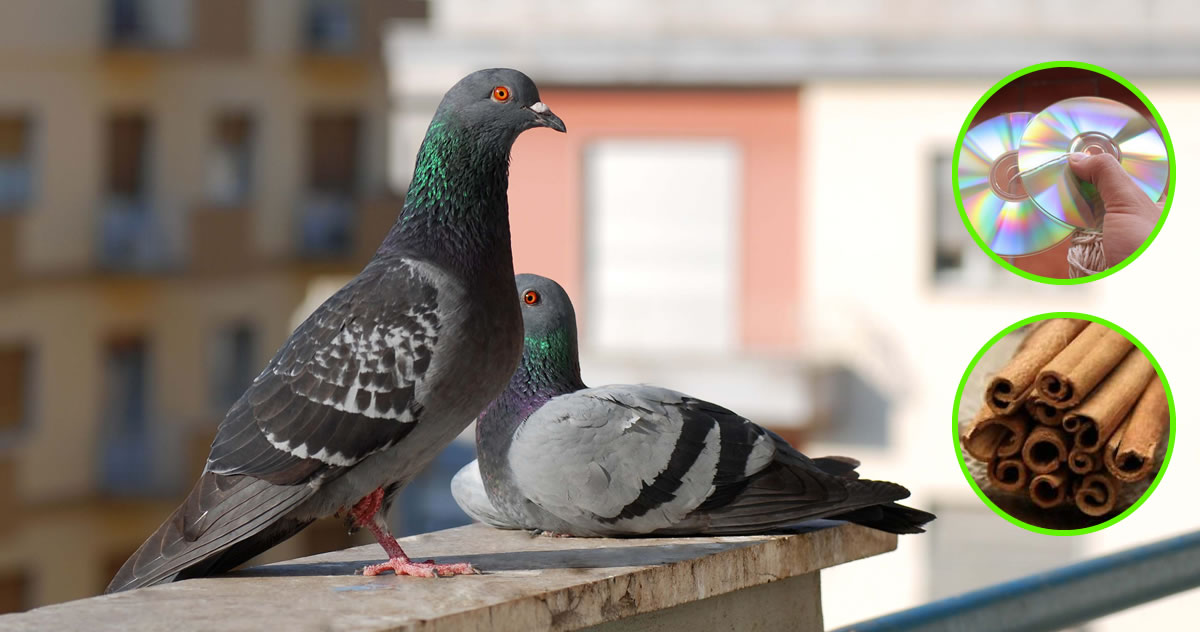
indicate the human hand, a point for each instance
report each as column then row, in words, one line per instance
column 1129, row 215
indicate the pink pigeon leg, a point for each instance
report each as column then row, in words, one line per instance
column 366, row 514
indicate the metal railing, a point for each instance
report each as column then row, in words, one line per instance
column 1061, row 597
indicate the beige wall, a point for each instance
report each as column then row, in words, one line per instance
column 57, row 67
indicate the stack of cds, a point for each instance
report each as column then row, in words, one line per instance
column 1018, row 191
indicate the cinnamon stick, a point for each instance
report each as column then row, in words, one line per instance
column 1097, row 494
column 1082, row 462
column 1078, row 368
column 1048, row 490
column 1011, row 384
column 1045, row 449
column 1008, row 474
column 1132, row 451
column 1097, row 418
column 990, row 436
column 1043, row 412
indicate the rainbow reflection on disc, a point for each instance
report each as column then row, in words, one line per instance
column 1089, row 125
column 992, row 194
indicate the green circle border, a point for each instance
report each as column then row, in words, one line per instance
column 962, row 134
column 962, row 463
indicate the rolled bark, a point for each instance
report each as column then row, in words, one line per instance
column 1077, row 369
column 991, row 436
column 1008, row 474
column 1097, row 494
column 1132, row 453
column 1082, row 462
column 1045, row 449
column 1043, row 412
column 1048, row 490
column 1097, row 418
column 1010, row 385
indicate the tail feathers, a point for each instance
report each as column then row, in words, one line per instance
column 787, row 493
column 201, row 536
column 843, row 466
column 890, row 517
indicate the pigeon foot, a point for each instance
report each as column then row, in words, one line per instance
column 405, row 566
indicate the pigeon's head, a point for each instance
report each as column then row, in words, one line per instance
column 545, row 307
column 498, row 104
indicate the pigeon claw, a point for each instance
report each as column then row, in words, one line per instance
column 428, row 568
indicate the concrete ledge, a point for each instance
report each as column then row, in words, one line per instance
column 529, row 583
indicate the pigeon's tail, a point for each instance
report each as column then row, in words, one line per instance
column 224, row 521
column 795, row 489
column 891, row 517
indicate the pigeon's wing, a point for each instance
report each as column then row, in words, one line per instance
column 340, row 389
column 641, row 459
column 630, row 459
column 471, row 496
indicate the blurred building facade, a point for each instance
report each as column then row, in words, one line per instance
column 753, row 204
column 174, row 174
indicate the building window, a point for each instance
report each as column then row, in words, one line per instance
column 957, row 260
column 231, row 161
column 16, row 161
column 127, row 459
column 15, row 369
column 148, row 23
column 128, row 156
column 232, row 365
column 331, row 26
column 129, row 233
column 662, row 239
column 333, row 182
column 333, row 153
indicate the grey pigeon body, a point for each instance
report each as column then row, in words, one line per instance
column 384, row 373
column 618, row 460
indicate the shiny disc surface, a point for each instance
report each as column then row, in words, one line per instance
column 1089, row 125
column 993, row 194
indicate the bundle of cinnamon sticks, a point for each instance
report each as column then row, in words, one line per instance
column 1077, row 413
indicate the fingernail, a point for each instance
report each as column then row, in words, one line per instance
column 1076, row 156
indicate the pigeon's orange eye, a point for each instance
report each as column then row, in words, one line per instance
column 500, row 93
column 532, row 297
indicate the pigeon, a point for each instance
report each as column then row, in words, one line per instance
column 556, row 456
column 385, row 373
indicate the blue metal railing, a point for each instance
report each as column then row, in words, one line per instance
column 1059, row 598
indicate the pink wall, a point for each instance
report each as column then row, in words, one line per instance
column 546, row 191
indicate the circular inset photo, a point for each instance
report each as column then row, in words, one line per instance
column 1063, row 172
column 1064, row 423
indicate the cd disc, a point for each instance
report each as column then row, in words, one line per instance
column 993, row 195
column 1090, row 125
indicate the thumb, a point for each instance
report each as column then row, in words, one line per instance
column 1114, row 184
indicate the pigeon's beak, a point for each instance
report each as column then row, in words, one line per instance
column 543, row 117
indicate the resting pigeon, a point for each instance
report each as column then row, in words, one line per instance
column 559, row 457
column 382, row 375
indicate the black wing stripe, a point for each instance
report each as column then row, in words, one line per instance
column 683, row 456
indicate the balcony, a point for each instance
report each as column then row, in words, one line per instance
column 529, row 583
column 339, row 229
column 132, row 238
column 141, row 25
column 325, row 225
column 353, row 28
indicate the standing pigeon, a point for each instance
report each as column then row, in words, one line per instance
column 382, row 375
column 557, row 456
